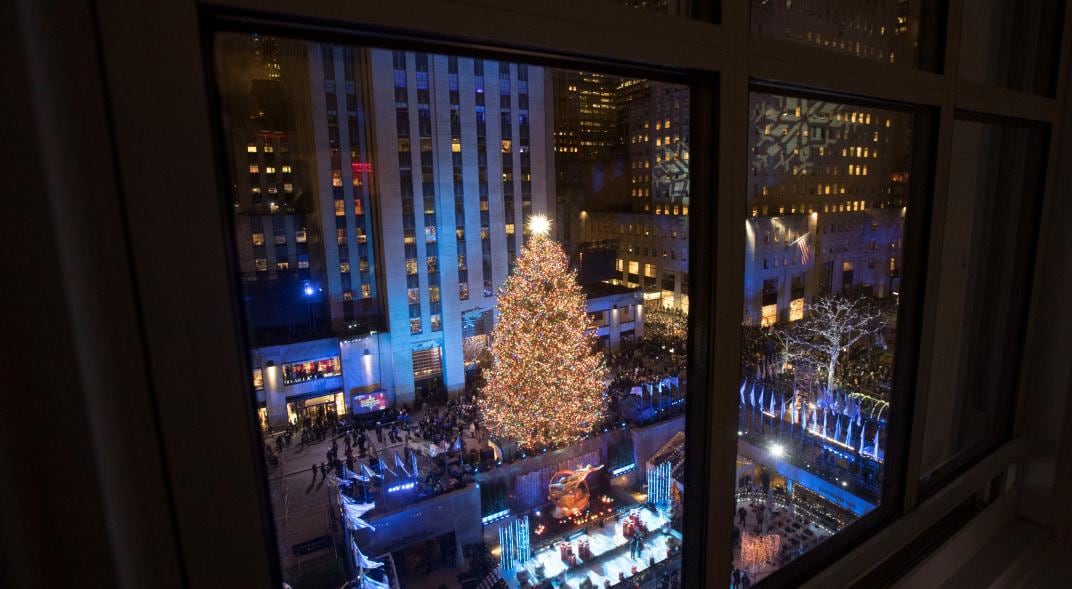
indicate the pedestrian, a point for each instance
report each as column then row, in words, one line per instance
column 314, row 473
column 323, row 470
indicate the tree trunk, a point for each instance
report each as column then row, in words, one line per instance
column 830, row 372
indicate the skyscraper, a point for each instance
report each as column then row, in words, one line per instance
column 394, row 187
column 650, row 224
column 588, row 145
column 828, row 204
column 274, row 194
column 461, row 158
column 386, row 201
column 880, row 31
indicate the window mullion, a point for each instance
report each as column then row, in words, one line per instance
column 821, row 69
column 590, row 29
column 725, row 278
column 939, row 202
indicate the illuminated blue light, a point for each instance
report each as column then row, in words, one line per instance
column 401, row 487
column 487, row 519
column 623, row 469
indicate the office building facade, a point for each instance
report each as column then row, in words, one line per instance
column 828, row 210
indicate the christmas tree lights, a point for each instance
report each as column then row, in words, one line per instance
column 545, row 385
column 834, row 325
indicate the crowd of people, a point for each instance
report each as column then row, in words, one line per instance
column 446, row 423
column 635, row 364
column 866, row 368
column 312, row 427
column 448, row 435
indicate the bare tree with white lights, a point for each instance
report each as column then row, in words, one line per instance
column 833, row 326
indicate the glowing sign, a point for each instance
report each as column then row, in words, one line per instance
column 361, row 168
column 369, row 402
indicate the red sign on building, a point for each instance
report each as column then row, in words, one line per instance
column 361, row 167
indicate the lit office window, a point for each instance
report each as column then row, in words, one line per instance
column 887, row 32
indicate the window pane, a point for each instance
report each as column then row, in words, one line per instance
column 823, row 250
column 995, row 189
column 530, row 427
column 1012, row 44
column 671, row 7
column 887, row 31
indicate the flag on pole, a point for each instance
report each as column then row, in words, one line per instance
column 399, row 464
column 357, row 507
column 352, row 514
column 370, row 583
column 369, row 473
column 805, row 250
column 362, row 561
column 353, row 476
column 383, row 468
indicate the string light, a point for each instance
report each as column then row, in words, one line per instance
column 758, row 550
column 544, row 387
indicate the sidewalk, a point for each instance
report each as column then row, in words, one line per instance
column 302, row 509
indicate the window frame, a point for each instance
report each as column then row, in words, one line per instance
column 220, row 520
column 914, row 258
column 961, row 461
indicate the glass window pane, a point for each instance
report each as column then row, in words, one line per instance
column 1012, row 44
column 887, row 31
column 530, row 427
column 995, row 189
column 671, row 7
column 827, row 202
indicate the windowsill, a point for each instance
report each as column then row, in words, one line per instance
column 880, row 547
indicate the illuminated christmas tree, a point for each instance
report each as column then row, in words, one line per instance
column 833, row 327
column 545, row 385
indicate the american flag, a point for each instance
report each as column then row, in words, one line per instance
column 805, row 250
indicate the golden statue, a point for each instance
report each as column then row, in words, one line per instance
column 569, row 491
